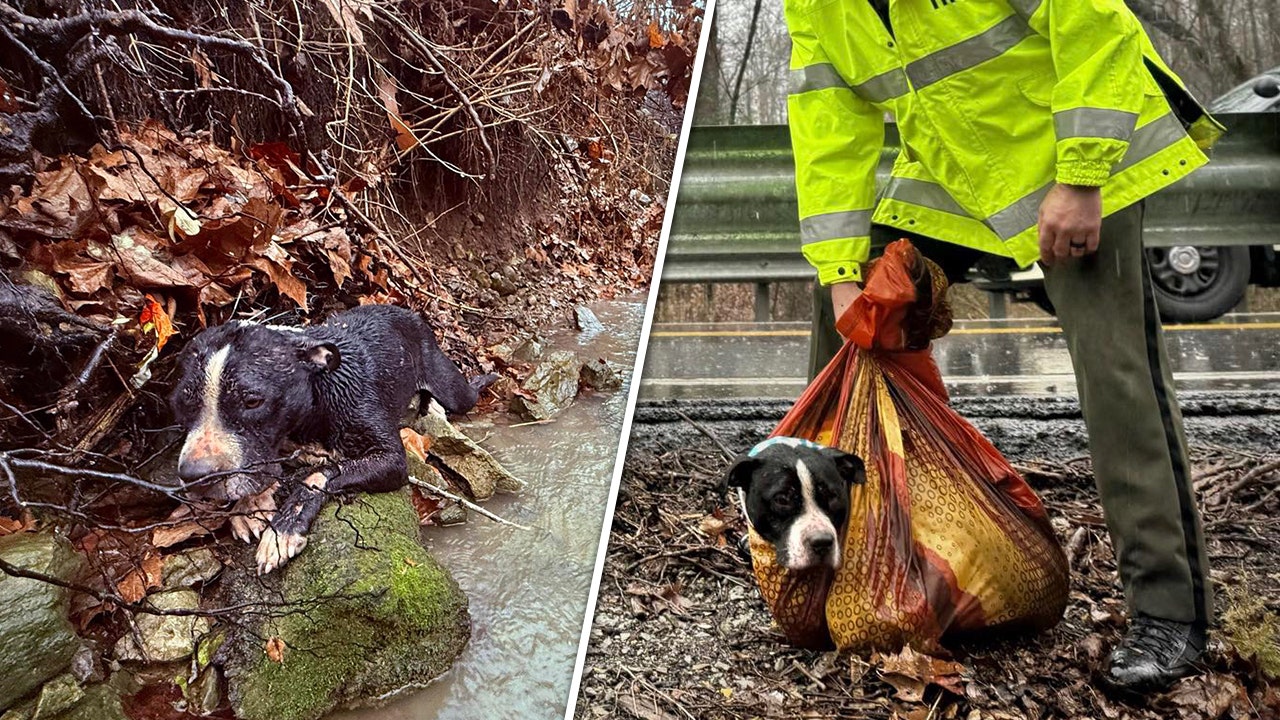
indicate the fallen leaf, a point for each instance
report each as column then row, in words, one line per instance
column 155, row 320
column 133, row 587
column 911, row 673
column 275, row 650
column 415, row 442
column 23, row 523
column 170, row 535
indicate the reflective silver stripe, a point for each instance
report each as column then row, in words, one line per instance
column 1145, row 142
column 1019, row 216
column 1151, row 139
column 968, row 53
column 834, row 226
column 822, row 76
column 924, row 194
column 1095, row 123
column 883, row 87
column 1025, row 8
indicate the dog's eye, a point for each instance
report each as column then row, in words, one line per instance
column 784, row 499
column 253, row 401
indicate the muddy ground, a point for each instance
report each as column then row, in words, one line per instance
column 681, row 632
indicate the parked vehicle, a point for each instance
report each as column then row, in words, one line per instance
column 1201, row 282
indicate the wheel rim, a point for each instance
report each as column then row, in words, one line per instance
column 1183, row 269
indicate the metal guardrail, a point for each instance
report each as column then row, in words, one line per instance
column 736, row 220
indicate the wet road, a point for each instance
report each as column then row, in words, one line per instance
column 978, row 358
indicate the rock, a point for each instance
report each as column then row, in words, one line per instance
column 586, row 321
column 463, row 456
column 601, row 375
column 57, row 696
column 393, row 620
column 453, row 514
column 529, row 350
column 552, row 386
column 36, row 640
column 99, row 702
column 502, row 284
column 191, row 568
column 165, row 638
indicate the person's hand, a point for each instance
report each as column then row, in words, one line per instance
column 1070, row 222
column 843, row 295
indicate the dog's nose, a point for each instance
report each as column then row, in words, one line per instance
column 193, row 469
column 821, row 545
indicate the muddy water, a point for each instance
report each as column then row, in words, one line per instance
column 528, row 589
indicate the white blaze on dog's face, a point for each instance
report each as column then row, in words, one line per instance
column 795, row 495
column 209, row 448
column 243, row 389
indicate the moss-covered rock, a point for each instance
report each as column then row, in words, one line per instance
column 37, row 641
column 394, row 618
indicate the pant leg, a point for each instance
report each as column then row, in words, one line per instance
column 825, row 342
column 1108, row 314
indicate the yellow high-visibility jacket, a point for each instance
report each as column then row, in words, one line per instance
column 995, row 100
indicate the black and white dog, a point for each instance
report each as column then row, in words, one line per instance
column 246, row 389
column 795, row 494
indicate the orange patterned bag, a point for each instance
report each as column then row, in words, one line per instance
column 945, row 538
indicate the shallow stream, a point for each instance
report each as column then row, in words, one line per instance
column 528, row 589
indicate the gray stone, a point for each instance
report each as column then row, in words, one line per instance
column 529, row 350
column 165, row 638
column 37, row 641
column 462, row 455
column 454, row 514
column 553, row 385
column 502, row 284
column 601, row 375
column 586, row 321
column 392, row 619
column 57, row 696
column 191, row 568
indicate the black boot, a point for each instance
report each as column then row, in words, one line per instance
column 1154, row 653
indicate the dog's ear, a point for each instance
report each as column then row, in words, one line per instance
column 320, row 356
column 849, row 466
column 739, row 474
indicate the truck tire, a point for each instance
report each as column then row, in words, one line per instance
column 1192, row 284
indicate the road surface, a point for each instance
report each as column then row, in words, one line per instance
column 978, row 358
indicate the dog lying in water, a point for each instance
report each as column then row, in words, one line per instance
column 795, row 495
column 248, row 389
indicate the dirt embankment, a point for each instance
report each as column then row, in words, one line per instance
column 681, row 632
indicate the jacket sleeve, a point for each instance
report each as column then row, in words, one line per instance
column 1097, row 53
column 836, row 138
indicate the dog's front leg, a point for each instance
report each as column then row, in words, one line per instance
column 378, row 472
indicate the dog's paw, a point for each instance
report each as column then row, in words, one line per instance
column 275, row 549
column 251, row 515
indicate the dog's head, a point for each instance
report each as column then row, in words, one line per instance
column 795, row 494
column 244, row 388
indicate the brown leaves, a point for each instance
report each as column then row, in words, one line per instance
column 22, row 523
column 179, row 216
column 155, row 320
column 647, row 599
column 912, row 673
column 134, row 586
column 275, row 649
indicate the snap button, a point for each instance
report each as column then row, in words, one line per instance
column 1182, row 162
column 911, row 222
column 840, row 271
column 895, row 217
column 1166, row 172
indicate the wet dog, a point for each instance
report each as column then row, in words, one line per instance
column 795, row 495
column 246, row 390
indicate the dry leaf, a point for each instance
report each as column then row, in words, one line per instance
column 155, row 320
column 415, row 443
column 134, row 586
column 405, row 139
column 275, row 650
column 9, row 526
column 911, row 673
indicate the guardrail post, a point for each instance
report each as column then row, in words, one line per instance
column 764, row 313
column 997, row 305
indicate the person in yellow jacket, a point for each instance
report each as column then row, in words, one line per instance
column 1030, row 129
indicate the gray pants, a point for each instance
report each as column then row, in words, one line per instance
column 1108, row 315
